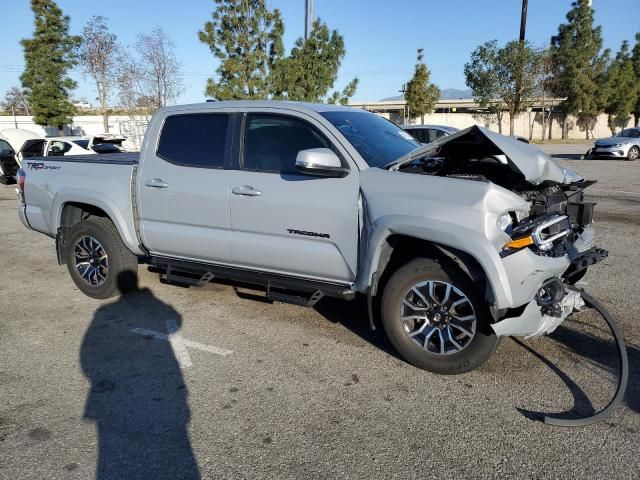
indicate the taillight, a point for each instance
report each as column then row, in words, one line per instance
column 21, row 177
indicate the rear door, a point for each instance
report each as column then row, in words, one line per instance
column 286, row 222
column 8, row 165
column 184, row 188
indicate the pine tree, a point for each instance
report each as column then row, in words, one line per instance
column 635, row 58
column 576, row 52
column 311, row 69
column 48, row 56
column 421, row 95
column 624, row 89
column 247, row 38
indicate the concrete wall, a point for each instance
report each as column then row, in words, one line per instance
column 522, row 124
column 133, row 127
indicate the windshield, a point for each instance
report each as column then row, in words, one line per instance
column 629, row 133
column 378, row 140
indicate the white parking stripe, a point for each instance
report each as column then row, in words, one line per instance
column 179, row 344
column 179, row 350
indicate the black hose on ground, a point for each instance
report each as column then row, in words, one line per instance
column 624, row 369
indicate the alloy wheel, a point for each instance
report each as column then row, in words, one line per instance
column 92, row 262
column 438, row 317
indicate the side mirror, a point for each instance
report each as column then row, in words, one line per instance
column 321, row 162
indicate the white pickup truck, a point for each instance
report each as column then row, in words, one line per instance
column 455, row 244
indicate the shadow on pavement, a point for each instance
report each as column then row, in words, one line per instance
column 568, row 156
column 600, row 352
column 137, row 399
column 353, row 316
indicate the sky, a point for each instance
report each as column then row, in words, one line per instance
column 381, row 36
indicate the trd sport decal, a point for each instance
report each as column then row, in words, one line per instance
column 42, row 166
column 308, row 234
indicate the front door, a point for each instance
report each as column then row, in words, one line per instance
column 184, row 189
column 286, row 222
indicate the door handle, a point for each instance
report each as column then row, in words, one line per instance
column 156, row 183
column 246, row 190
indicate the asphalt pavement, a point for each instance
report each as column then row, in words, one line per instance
column 208, row 382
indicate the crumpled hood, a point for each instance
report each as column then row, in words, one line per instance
column 535, row 165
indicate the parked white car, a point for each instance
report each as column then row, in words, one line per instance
column 26, row 144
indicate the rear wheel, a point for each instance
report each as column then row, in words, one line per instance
column 99, row 263
column 436, row 319
column 634, row 153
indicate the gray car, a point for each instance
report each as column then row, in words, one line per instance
column 625, row 145
column 429, row 133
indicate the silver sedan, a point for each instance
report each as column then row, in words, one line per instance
column 625, row 144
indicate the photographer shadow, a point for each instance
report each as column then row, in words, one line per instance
column 137, row 399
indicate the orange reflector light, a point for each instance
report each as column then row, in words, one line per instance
column 520, row 242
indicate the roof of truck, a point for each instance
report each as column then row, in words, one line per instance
column 299, row 106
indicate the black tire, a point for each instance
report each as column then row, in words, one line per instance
column 478, row 349
column 121, row 275
column 633, row 153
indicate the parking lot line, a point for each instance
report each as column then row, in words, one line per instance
column 179, row 344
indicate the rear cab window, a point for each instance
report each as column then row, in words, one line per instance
column 195, row 140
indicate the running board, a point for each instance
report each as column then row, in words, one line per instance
column 278, row 287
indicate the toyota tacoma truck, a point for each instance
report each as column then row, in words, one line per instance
column 455, row 244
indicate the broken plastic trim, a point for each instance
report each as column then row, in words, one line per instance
column 623, row 378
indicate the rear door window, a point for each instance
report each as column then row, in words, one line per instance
column 5, row 149
column 195, row 139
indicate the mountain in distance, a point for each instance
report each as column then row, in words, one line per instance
column 445, row 94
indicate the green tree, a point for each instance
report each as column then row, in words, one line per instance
column 421, row 95
column 504, row 78
column 622, row 84
column 48, row 56
column 580, row 65
column 247, row 39
column 635, row 58
column 311, row 69
column 101, row 57
column 342, row 97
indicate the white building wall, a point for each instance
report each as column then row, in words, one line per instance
column 133, row 127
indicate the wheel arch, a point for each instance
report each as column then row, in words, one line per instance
column 390, row 245
column 69, row 209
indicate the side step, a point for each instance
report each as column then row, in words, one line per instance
column 295, row 298
column 278, row 288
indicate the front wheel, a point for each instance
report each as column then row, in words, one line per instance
column 436, row 319
column 98, row 261
column 634, row 153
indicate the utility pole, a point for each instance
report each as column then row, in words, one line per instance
column 523, row 20
column 311, row 14
column 306, row 19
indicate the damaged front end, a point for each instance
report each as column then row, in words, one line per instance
column 551, row 245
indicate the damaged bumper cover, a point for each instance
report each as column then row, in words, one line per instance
column 539, row 286
column 538, row 319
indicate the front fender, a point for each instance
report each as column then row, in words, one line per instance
column 443, row 233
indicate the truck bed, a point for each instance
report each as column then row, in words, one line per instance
column 124, row 158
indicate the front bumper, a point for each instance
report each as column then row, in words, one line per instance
column 528, row 273
column 535, row 320
column 609, row 152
